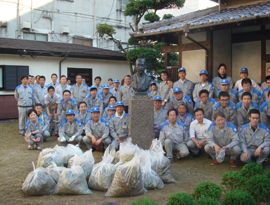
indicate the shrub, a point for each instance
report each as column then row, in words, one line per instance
column 259, row 187
column 180, row 199
column 143, row 201
column 207, row 189
column 251, row 169
column 238, row 197
column 206, row 201
column 233, row 180
column 268, row 174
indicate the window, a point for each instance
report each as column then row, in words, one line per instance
column 124, row 3
column 11, row 76
column 35, row 36
column 83, row 41
column 85, row 72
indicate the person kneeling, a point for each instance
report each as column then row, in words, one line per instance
column 70, row 130
column 33, row 130
column 173, row 135
column 222, row 139
column 96, row 131
column 255, row 139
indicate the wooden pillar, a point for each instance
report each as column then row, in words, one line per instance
column 263, row 55
column 210, row 54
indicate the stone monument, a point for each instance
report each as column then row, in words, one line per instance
column 141, row 108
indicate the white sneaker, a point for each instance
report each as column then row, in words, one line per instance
column 30, row 147
column 63, row 139
column 77, row 145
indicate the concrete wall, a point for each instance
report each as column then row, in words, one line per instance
column 48, row 65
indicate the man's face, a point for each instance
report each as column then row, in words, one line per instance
column 222, row 70
column 224, row 101
column 254, row 119
column 70, row 118
column 38, row 109
column 244, row 75
column 97, row 82
column 29, row 80
column 93, row 93
column 54, row 78
column 82, row 108
column 119, row 109
column 37, row 80
column 116, row 85
column 182, row 74
column 199, row 116
column 246, row 100
column 268, row 83
column 246, row 87
column 164, row 76
column 127, row 80
column 24, row 81
column 51, row 92
column 33, row 116
column 225, row 87
column 153, row 87
column 32, row 80
column 170, row 83
column 220, row 121
column 79, row 80
column 157, row 104
column 204, row 77
column 66, row 96
column 112, row 101
column 182, row 110
column 204, row 97
column 63, row 80
column 111, row 112
column 41, row 81
column 95, row 116
column 172, row 117
column 178, row 95
column 106, row 90
column 140, row 66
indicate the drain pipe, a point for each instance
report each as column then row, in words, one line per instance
column 202, row 46
column 60, row 64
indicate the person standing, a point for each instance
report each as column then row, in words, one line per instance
column 63, row 86
column 125, row 93
column 225, row 86
column 83, row 115
column 164, row 89
column 244, row 75
column 186, row 85
column 106, row 94
column 40, row 92
column 115, row 90
column 110, row 83
column 54, row 82
column 94, row 99
column 265, row 112
column 79, row 90
column 206, row 103
column 97, row 82
column 160, row 115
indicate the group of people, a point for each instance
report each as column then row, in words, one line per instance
column 223, row 121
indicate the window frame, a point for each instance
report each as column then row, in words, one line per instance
column 82, row 39
column 35, row 34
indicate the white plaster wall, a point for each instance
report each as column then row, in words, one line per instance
column 247, row 55
column 193, row 62
column 201, row 36
column 48, row 65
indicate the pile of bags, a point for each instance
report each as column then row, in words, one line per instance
column 67, row 170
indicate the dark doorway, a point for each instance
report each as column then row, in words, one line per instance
column 85, row 72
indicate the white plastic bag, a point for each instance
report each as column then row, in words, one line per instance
column 221, row 156
column 55, row 171
column 86, row 161
column 127, row 180
column 103, row 172
column 43, row 153
column 72, row 181
column 63, row 151
column 159, row 163
column 74, row 149
column 150, row 178
column 38, row 182
column 48, row 159
column 127, row 150
column 117, row 157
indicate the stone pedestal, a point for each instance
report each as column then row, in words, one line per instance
column 141, row 120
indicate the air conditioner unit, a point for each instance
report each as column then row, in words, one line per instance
column 3, row 24
column 65, row 30
column 26, row 25
column 46, row 14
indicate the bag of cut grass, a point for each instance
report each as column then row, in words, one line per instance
column 150, row 178
column 55, row 171
column 103, row 172
column 86, row 161
column 72, row 181
column 43, row 153
column 38, row 182
column 127, row 179
column 127, row 150
column 117, row 157
column 76, row 150
column 159, row 163
column 63, row 151
column 50, row 158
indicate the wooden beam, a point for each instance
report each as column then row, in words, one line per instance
column 267, row 58
column 180, row 52
column 250, row 36
column 263, row 54
column 210, row 54
column 184, row 47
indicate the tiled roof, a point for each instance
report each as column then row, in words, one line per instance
column 43, row 47
column 206, row 18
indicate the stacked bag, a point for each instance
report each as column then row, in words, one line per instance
column 67, row 170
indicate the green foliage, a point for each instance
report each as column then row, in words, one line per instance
column 133, row 41
column 259, row 187
column 151, row 17
column 180, row 199
column 105, row 29
column 268, row 174
column 143, row 201
column 238, row 197
column 167, row 16
column 252, row 169
column 207, row 189
column 233, row 180
column 206, row 201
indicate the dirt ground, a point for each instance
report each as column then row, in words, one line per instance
column 15, row 164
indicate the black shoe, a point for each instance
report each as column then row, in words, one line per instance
column 198, row 154
column 93, row 149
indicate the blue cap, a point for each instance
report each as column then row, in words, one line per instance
column 224, row 82
column 181, row 69
column 153, row 83
column 116, row 81
column 119, row 103
column 177, row 89
column 242, row 70
column 106, row 86
column 203, row 72
column 70, row 112
column 149, row 74
column 111, row 107
column 93, row 87
column 157, row 98
column 95, row 109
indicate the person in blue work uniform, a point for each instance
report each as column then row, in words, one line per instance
column 83, row 115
